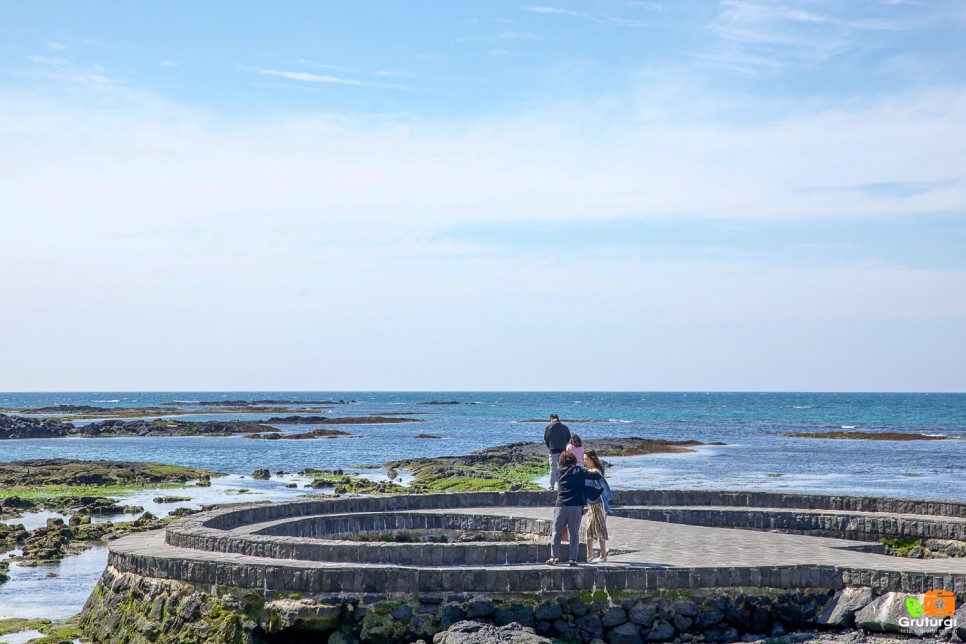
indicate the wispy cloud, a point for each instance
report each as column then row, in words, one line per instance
column 168, row 63
column 346, row 70
column 763, row 13
column 774, row 34
column 601, row 19
column 309, row 77
column 888, row 189
column 48, row 60
column 519, row 35
column 53, row 44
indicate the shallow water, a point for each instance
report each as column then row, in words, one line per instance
column 748, row 422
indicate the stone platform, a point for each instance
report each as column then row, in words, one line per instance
column 293, row 547
column 662, row 541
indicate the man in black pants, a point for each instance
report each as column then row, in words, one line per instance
column 556, row 436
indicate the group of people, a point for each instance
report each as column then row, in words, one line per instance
column 578, row 477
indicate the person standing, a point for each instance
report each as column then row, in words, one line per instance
column 598, row 493
column 556, row 436
column 569, row 507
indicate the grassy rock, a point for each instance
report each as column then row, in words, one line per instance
column 66, row 472
column 315, row 433
column 870, row 436
column 514, row 466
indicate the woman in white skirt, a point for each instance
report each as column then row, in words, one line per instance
column 594, row 525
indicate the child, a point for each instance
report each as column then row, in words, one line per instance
column 576, row 447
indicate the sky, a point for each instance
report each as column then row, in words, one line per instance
column 432, row 195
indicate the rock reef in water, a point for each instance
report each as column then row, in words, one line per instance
column 61, row 471
column 269, row 401
column 350, row 420
column 316, row 433
column 513, row 467
column 21, row 427
column 16, row 427
column 871, row 436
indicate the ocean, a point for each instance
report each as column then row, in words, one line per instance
column 755, row 457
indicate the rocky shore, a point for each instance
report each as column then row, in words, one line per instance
column 349, row 420
column 315, row 433
column 59, row 485
column 38, row 474
column 871, row 436
column 22, row 427
column 513, row 467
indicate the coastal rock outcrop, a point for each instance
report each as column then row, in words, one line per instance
column 514, row 466
column 16, row 427
column 349, row 420
column 467, row 632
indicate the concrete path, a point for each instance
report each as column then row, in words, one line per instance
column 641, row 544
column 678, row 545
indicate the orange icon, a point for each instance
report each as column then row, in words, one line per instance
column 939, row 603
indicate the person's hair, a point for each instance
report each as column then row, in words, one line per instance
column 591, row 455
column 567, row 459
column 575, row 440
column 554, row 417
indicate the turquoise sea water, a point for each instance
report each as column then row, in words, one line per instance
column 748, row 422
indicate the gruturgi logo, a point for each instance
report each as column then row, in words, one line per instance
column 936, row 609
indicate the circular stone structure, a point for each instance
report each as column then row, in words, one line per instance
column 401, row 567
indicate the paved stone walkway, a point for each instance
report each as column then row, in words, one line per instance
column 640, row 542
column 678, row 545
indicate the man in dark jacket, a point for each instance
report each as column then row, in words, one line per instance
column 570, row 506
column 556, row 436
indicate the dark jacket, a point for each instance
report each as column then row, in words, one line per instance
column 571, row 485
column 556, row 436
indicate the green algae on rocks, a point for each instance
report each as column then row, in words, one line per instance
column 514, row 467
column 48, row 477
column 871, row 436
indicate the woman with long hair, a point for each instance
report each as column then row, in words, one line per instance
column 594, row 524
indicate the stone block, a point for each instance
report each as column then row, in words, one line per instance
column 590, row 626
column 479, row 607
column 626, row 633
column 643, row 614
column 661, row 632
column 883, row 615
column 613, row 617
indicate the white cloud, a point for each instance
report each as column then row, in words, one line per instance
column 789, row 33
column 583, row 15
column 126, row 216
column 168, row 63
column 308, row 77
column 519, row 35
column 53, row 44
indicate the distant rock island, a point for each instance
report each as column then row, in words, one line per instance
column 21, row 427
column 871, row 436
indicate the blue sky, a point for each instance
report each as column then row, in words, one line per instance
column 713, row 195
